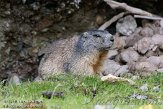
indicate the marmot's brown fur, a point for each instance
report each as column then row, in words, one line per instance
column 84, row 54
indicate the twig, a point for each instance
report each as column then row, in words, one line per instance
column 115, row 18
column 58, row 85
column 129, row 9
column 148, row 17
column 115, row 4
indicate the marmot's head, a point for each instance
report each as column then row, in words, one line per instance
column 94, row 40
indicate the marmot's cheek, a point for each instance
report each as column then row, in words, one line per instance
column 109, row 44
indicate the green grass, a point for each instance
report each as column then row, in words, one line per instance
column 82, row 93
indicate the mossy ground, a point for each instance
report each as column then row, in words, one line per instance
column 82, row 93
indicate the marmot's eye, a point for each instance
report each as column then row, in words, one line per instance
column 96, row 35
column 111, row 38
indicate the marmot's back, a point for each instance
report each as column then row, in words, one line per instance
column 55, row 55
column 79, row 54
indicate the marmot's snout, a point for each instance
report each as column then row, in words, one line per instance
column 107, row 41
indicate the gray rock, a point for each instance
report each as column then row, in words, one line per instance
column 14, row 79
column 146, row 32
column 129, row 55
column 151, row 53
column 138, row 96
column 38, row 79
column 126, row 25
column 124, row 69
column 144, row 87
column 158, row 40
column 112, row 67
column 134, row 38
column 135, row 77
column 103, row 107
column 99, row 107
column 117, row 58
column 156, row 88
column 143, row 45
column 119, row 42
column 112, row 53
column 154, row 60
column 142, row 68
column 35, row 6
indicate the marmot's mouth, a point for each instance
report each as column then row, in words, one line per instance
column 105, row 48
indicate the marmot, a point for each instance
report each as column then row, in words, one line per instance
column 83, row 54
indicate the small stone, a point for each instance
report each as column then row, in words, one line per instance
column 144, row 87
column 141, row 97
column 123, row 70
column 103, row 107
column 156, row 88
column 34, row 33
column 7, row 12
column 45, row 30
column 35, row 6
column 138, row 96
column 99, row 107
column 69, row 12
column 135, row 77
column 38, row 79
column 14, row 79
column 99, row 20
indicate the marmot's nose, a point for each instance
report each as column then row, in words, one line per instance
column 108, row 41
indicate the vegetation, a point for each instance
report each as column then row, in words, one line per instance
column 82, row 93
